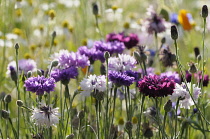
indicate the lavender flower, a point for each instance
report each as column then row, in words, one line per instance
column 25, row 65
column 119, row 78
column 155, row 24
column 156, row 86
column 129, row 41
column 40, row 85
column 64, row 75
column 122, row 63
column 172, row 76
column 67, row 59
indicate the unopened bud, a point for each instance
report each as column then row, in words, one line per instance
column 106, row 55
column 163, row 40
column 54, row 63
column 168, row 106
column 8, row 98
column 196, row 51
column 81, row 114
column 13, row 73
column 199, row 58
column 54, row 34
column 39, row 72
column 2, row 95
column 71, row 136
column 204, row 13
column 95, row 9
column 193, row 68
column 19, row 103
column 174, row 32
column 4, row 114
column 29, row 73
column 17, row 46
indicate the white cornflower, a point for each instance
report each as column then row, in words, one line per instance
column 92, row 83
column 181, row 92
column 45, row 116
column 122, row 63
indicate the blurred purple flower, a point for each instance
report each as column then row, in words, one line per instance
column 174, row 18
column 172, row 76
column 120, row 79
column 156, row 86
column 40, row 84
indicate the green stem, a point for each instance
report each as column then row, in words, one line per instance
column 13, row 129
column 177, row 104
column 139, row 120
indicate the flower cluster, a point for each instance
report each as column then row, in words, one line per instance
column 129, row 41
column 99, row 48
column 181, row 92
column 156, row 86
column 39, row 85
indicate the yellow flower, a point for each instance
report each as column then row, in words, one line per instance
column 183, row 20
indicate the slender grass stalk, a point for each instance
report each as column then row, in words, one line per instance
column 17, row 87
column 175, row 130
column 139, row 117
column 13, row 129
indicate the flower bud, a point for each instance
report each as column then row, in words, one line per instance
column 106, row 55
column 168, row 106
column 81, row 114
column 54, row 63
column 204, row 13
column 196, row 51
column 128, row 125
column 193, row 68
column 13, row 73
column 163, row 40
column 134, row 120
column 2, row 95
column 71, row 136
column 8, row 98
column 95, row 9
column 54, row 34
column 19, row 103
column 39, row 72
column 29, row 73
column 174, row 32
column 4, row 114
column 17, row 46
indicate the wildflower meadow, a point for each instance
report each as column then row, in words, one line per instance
column 104, row 69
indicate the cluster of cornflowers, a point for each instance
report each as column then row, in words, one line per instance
column 96, row 52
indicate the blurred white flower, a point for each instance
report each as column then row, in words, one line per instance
column 70, row 3
column 181, row 92
column 114, row 15
column 45, row 115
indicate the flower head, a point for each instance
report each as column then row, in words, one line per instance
column 156, row 86
column 171, row 75
column 25, row 65
column 45, row 116
column 40, row 84
column 120, row 78
column 64, row 75
column 122, row 63
column 181, row 93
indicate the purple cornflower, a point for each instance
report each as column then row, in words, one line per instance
column 133, row 74
column 40, row 84
column 25, row 65
column 119, row 78
column 155, row 24
column 64, row 75
column 172, row 76
column 156, row 86
column 129, row 41
column 111, row 47
column 67, row 59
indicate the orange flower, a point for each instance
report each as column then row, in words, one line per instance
column 184, row 20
